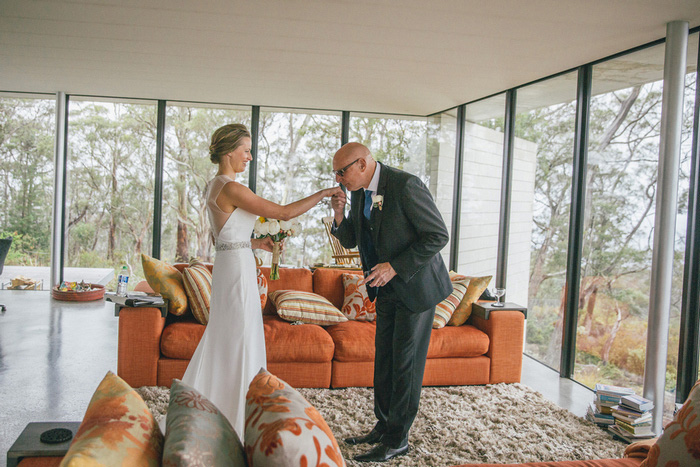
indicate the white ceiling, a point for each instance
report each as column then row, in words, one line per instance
column 392, row 56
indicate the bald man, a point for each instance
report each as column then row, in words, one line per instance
column 399, row 232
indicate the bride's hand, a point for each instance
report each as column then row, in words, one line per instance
column 328, row 192
column 265, row 243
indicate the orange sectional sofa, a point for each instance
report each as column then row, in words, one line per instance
column 152, row 350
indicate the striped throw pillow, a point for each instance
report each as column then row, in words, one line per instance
column 444, row 309
column 306, row 307
column 197, row 281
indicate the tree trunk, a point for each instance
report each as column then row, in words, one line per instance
column 613, row 333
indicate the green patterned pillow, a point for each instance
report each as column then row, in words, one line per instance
column 117, row 429
column 167, row 281
column 197, row 433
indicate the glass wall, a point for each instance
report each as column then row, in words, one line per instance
column 540, row 210
column 441, row 147
column 295, row 151
column 110, row 183
column 621, row 185
column 27, row 134
column 481, row 187
column 187, row 169
column 394, row 140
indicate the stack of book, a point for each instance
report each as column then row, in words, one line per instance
column 633, row 419
column 606, row 397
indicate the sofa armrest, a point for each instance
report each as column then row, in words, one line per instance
column 506, row 329
column 138, row 347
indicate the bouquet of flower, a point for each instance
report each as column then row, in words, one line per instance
column 277, row 231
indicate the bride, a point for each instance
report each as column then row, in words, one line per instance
column 232, row 349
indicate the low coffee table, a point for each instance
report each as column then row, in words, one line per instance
column 28, row 443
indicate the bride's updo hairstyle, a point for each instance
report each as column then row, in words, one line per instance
column 226, row 139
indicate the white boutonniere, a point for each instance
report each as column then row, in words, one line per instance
column 377, row 201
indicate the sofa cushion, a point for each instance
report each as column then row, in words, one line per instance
column 167, row 281
column 117, row 429
column 305, row 307
column 356, row 304
column 328, row 282
column 197, row 433
column 180, row 338
column 679, row 444
column 196, row 279
column 354, row 341
column 290, row 279
column 286, row 342
column 282, row 428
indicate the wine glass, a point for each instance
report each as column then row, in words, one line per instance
column 498, row 292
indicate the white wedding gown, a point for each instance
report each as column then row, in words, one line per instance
column 232, row 349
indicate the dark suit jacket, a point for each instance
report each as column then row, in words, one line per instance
column 408, row 232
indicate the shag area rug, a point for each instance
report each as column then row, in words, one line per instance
column 500, row 423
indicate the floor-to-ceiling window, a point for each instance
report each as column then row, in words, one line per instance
column 621, row 183
column 110, row 183
column 27, row 134
column 540, row 209
column 186, row 171
column 441, row 147
column 295, row 151
column 481, row 187
column 394, row 140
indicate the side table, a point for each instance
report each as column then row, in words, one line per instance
column 482, row 309
column 28, row 443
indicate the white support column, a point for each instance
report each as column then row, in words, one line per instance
column 665, row 219
column 59, row 189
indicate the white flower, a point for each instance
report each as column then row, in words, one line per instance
column 256, row 227
column 286, row 225
column 263, row 228
column 274, row 227
column 377, row 201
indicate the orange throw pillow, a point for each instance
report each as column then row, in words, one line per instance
column 446, row 308
column 167, row 281
column 282, row 428
column 477, row 285
column 356, row 304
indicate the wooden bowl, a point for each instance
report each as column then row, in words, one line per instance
column 97, row 293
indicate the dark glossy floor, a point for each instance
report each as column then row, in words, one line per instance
column 53, row 354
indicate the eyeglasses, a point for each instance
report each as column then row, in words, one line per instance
column 341, row 172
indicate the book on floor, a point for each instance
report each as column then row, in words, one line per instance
column 632, row 419
column 627, row 436
column 642, row 429
column 610, row 390
column 636, row 402
column 597, row 417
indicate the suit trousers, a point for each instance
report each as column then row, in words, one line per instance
column 401, row 348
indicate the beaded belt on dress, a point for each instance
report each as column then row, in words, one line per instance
column 222, row 246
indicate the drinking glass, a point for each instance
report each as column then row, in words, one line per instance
column 498, row 292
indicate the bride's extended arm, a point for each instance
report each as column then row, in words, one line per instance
column 235, row 194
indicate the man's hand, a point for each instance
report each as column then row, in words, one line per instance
column 338, row 202
column 381, row 274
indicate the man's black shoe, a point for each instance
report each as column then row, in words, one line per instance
column 370, row 438
column 382, row 453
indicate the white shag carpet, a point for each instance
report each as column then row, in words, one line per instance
column 500, row 423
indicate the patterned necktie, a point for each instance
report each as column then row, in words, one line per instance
column 368, row 203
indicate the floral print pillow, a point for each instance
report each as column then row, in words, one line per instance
column 118, row 429
column 282, row 428
column 262, row 288
column 197, row 433
column 679, row 445
column 356, row 304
